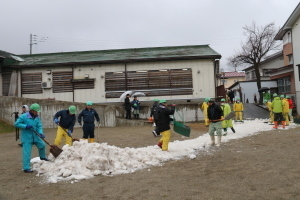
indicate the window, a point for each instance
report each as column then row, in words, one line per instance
column 266, row 72
column 248, row 76
column 62, row 81
column 253, row 75
column 151, row 82
column 31, row 83
column 284, row 85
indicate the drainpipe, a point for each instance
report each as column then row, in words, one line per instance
column 125, row 76
column 72, row 84
column 20, row 82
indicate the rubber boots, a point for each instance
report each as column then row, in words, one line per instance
column 92, row 140
column 212, row 137
column 275, row 124
column 159, row 144
column 219, row 141
column 283, row 124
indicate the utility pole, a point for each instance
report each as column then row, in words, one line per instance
column 32, row 38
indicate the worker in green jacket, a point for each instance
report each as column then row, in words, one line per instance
column 277, row 106
column 226, row 123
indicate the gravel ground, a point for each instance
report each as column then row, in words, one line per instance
column 263, row 166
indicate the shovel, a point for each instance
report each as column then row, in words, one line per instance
column 54, row 150
column 73, row 139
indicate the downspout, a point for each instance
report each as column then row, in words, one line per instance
column 72, row 83
column 21, row 82
column 125, row 76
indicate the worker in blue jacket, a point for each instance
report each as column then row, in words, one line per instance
column 66, row 121
column 88, row 115
column 28, row 122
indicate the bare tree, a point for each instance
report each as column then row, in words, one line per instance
column 259, row 41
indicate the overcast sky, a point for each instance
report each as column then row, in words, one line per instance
column 77, row 25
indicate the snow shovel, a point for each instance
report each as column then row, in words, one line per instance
column 230, row 116
column 181, row 128
column 73, row 139
column 54, row 150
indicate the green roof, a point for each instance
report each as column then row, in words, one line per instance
column 121, row 55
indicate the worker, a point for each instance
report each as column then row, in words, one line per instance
column 66, row 121
column 269, row 105
column 238, row 108
column 204, row 107
column 226, row 123
column 88, row 114
column 215, row 116
column 163, row 123
column 277, row 106
column 28, row 123
column 291, row 105
column 285, row 110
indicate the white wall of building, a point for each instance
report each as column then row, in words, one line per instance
column 296, row 55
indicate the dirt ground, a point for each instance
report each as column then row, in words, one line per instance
column 264, row 166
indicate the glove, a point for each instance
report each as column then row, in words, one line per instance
column 42, row 135
column 80, row 124
column 56, row 121
column 28, row 127
column 98, row 123
column 69, row 133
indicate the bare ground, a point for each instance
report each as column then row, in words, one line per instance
column 264, row 166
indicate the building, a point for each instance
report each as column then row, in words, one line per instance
column 288, row 74
column 179, row 72
column 229, row 78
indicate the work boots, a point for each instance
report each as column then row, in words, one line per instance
column 212, row 137
column 219, row 141
column 283, row 124
column 275, row 124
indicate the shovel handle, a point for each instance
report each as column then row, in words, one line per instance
column 41, row 137
column 66, row 132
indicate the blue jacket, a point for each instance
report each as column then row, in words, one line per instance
column 88, row 116
column 66, row 120
column 28, row 135
column 137, row 103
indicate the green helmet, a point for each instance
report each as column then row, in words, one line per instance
column 207, row 99
column 288, row 97
column 265, row 101
column 72, row 109
column 35, row 107
column 222, row 99
column 274, row 95
column 89, row 103
column 281, row 96
column 155, row 100
column 238, row 98
column 162, row 101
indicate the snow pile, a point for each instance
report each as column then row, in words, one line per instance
column 85, row 160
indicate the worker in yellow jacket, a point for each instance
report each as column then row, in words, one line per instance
column 238, row 108
column 204, row 107
column 269, row 105
column 285, row 110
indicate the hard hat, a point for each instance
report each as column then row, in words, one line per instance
column 35, row 107
column 281, row 96
column 89, row 103
column 207, row 99
column 238, row 98
column 265, row 101
column 274, row 95
column 288, row 97
column 155, row 100
column 72, row 109
column 162, row 101
column 222, row 99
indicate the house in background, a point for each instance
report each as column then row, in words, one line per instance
column 229, row 78
column 288, row 75
column 179, row 72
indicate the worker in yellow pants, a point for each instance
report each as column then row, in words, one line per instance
column 65, row 119
column 165, row 139
column 163, row 123
column 238, row 108
column 285, row 110
column 269, row 105
column 204, row 107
